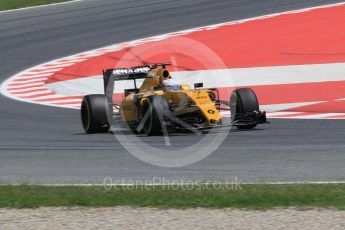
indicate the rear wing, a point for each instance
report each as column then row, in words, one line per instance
column 120, row 74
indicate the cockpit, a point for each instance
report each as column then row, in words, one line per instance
column 171, row 85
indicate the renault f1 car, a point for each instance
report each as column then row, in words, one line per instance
column 160, row 104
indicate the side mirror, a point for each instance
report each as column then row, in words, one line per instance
column 198, row 85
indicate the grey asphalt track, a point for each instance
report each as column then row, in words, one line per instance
column 41, row 144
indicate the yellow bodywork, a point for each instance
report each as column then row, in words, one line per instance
column 185, row 100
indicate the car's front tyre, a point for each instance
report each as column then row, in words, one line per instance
column 243, row 101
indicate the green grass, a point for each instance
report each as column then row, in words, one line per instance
column 250, row 197
column 16, row 4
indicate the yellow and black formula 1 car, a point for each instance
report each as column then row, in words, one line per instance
column 160, row 104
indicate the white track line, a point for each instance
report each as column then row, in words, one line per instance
column 36, row 89
column 316, row 116
column 46, row 67
column 218, row 78
column 40, row 6
column 276, row 114
column 43, row 71
column 33, row 76
column 182, row 184
column 77, row 101
column 54, row 96
column 24, row 81
column 280, row 107
column 33, row 94
column 20, row 86
column 71, row 59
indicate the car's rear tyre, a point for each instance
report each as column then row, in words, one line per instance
column 242, row 101
column 155, row 106
column 94, row 113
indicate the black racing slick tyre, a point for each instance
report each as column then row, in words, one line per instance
column 153, row 109
column 242, row 101
column 94, row 113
